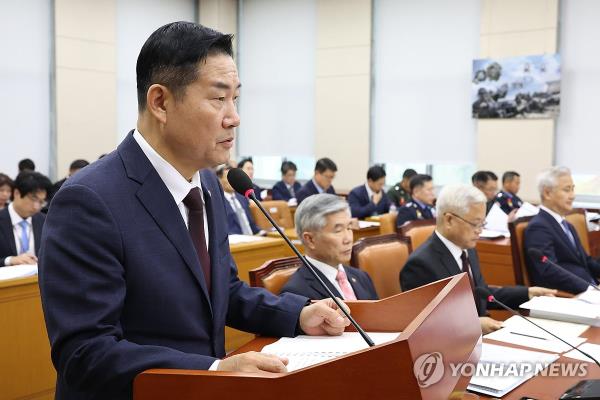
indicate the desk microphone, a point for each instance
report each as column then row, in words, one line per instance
column 242, row 184
column 537, row 254
column 589, row 387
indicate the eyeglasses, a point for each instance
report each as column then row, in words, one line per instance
column 36, row 200
column 477, row 227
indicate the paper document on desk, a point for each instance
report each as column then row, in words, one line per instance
column 539, row 339
column 501, row 369
column 18, row 271
column 591, row 295
column 563, row 309
column 236, row 239
column 304, row 351
column 367, row 224
column 560, row 328
column 497, row 220
column 590, row 348
column 527, row 210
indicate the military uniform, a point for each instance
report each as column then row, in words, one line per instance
column 508, row 201
column 412, row 211
column 398, row 195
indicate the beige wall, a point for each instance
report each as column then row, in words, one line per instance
column 514, row 28
column 342, row 88
column 86, row 80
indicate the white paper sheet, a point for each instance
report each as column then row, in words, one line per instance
column 535, row 340
column 303, row 351
column 367, row 224
column 563, row 309
column 560, row 328
column 18, row 271
column 590, row 348
column 591, row 295
column 527, row 210
column 235, row 239
column 497, row 220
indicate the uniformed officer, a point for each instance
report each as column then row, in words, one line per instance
column 399, row 194
column 421, row 205
column 507, row 199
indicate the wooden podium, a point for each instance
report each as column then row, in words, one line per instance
column 438, row 318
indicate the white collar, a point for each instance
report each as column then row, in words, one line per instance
column 319, row 188
column 369, row 191
column 329, row 271
column 559, row 218
column 15, row 218
column 229, row 196
column 178, row 186
column 453, row 248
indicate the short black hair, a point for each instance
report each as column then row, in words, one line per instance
column 324, row 164
column 409, row 173
column 245, row 160
column 5, row 180
column 492, row 175
column 172, row 54
column 26, row 164
column 509, row 176
column 375, row 173
column 30, row 182
column 419, row 180
column 78, row 164
column 288, row 166
column 481, row 177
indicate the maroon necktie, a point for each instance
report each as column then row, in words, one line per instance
column 466, row 267
column 193, row 201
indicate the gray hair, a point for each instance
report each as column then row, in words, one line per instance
column 311, row 213
column 458, row 199
column 548, row 178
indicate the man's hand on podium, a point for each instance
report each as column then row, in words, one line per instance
column 253, row 361
column 323, row 318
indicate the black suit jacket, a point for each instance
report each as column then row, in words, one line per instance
column 545, row 234
column 309, row 189
column 302, row 282
column 7, row 237
column 433, row 261
column 281, row 192
column 361, row 205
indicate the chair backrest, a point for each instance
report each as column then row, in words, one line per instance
column 418, row 231
column 278, row 209
column 387, row 223
column 577, row 218
column 274, row 274
column 517, row 248
column 382, row 257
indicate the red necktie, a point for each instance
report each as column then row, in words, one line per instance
column 193, row 201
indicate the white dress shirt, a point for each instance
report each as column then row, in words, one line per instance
column 178, row 186
column 330, row 273
column 16, row 219
column 559, row 218
column 454, row 250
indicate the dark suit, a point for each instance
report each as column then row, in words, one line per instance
column 281, row 192
column 508, row 201
column 413, row 211
column 233, row 223
column 302, row 282
column 309, row 189
column 122, row 286
column 8, row 247
column 257, row 191
column 361, row 205
column 544, row 233
column 433, row 261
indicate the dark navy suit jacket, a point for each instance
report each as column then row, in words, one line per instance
column 361, row 205
column 233, row 224
column 412, row 211
column 8, row 246
column 122, row 286
column 302, row 282
column 281, row 192
column 545, row 234
column 309, row 189
column 433, row 261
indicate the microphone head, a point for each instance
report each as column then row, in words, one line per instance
column 491, row 299
column 536, row 254
column 240, row 182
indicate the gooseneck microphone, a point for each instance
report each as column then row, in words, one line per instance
column 537, row 254
column 483, row 292
column 242, row 184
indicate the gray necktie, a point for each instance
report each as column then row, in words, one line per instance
column 242, row 218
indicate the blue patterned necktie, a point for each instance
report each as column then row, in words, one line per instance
column 565, row 226
column 24, row 236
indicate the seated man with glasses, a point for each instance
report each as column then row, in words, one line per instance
column 451, row 250
column 21, row 222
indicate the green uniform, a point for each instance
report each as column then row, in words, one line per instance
column 398, row 195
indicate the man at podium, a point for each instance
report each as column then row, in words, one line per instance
column 135, row 268
column 451, row 250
